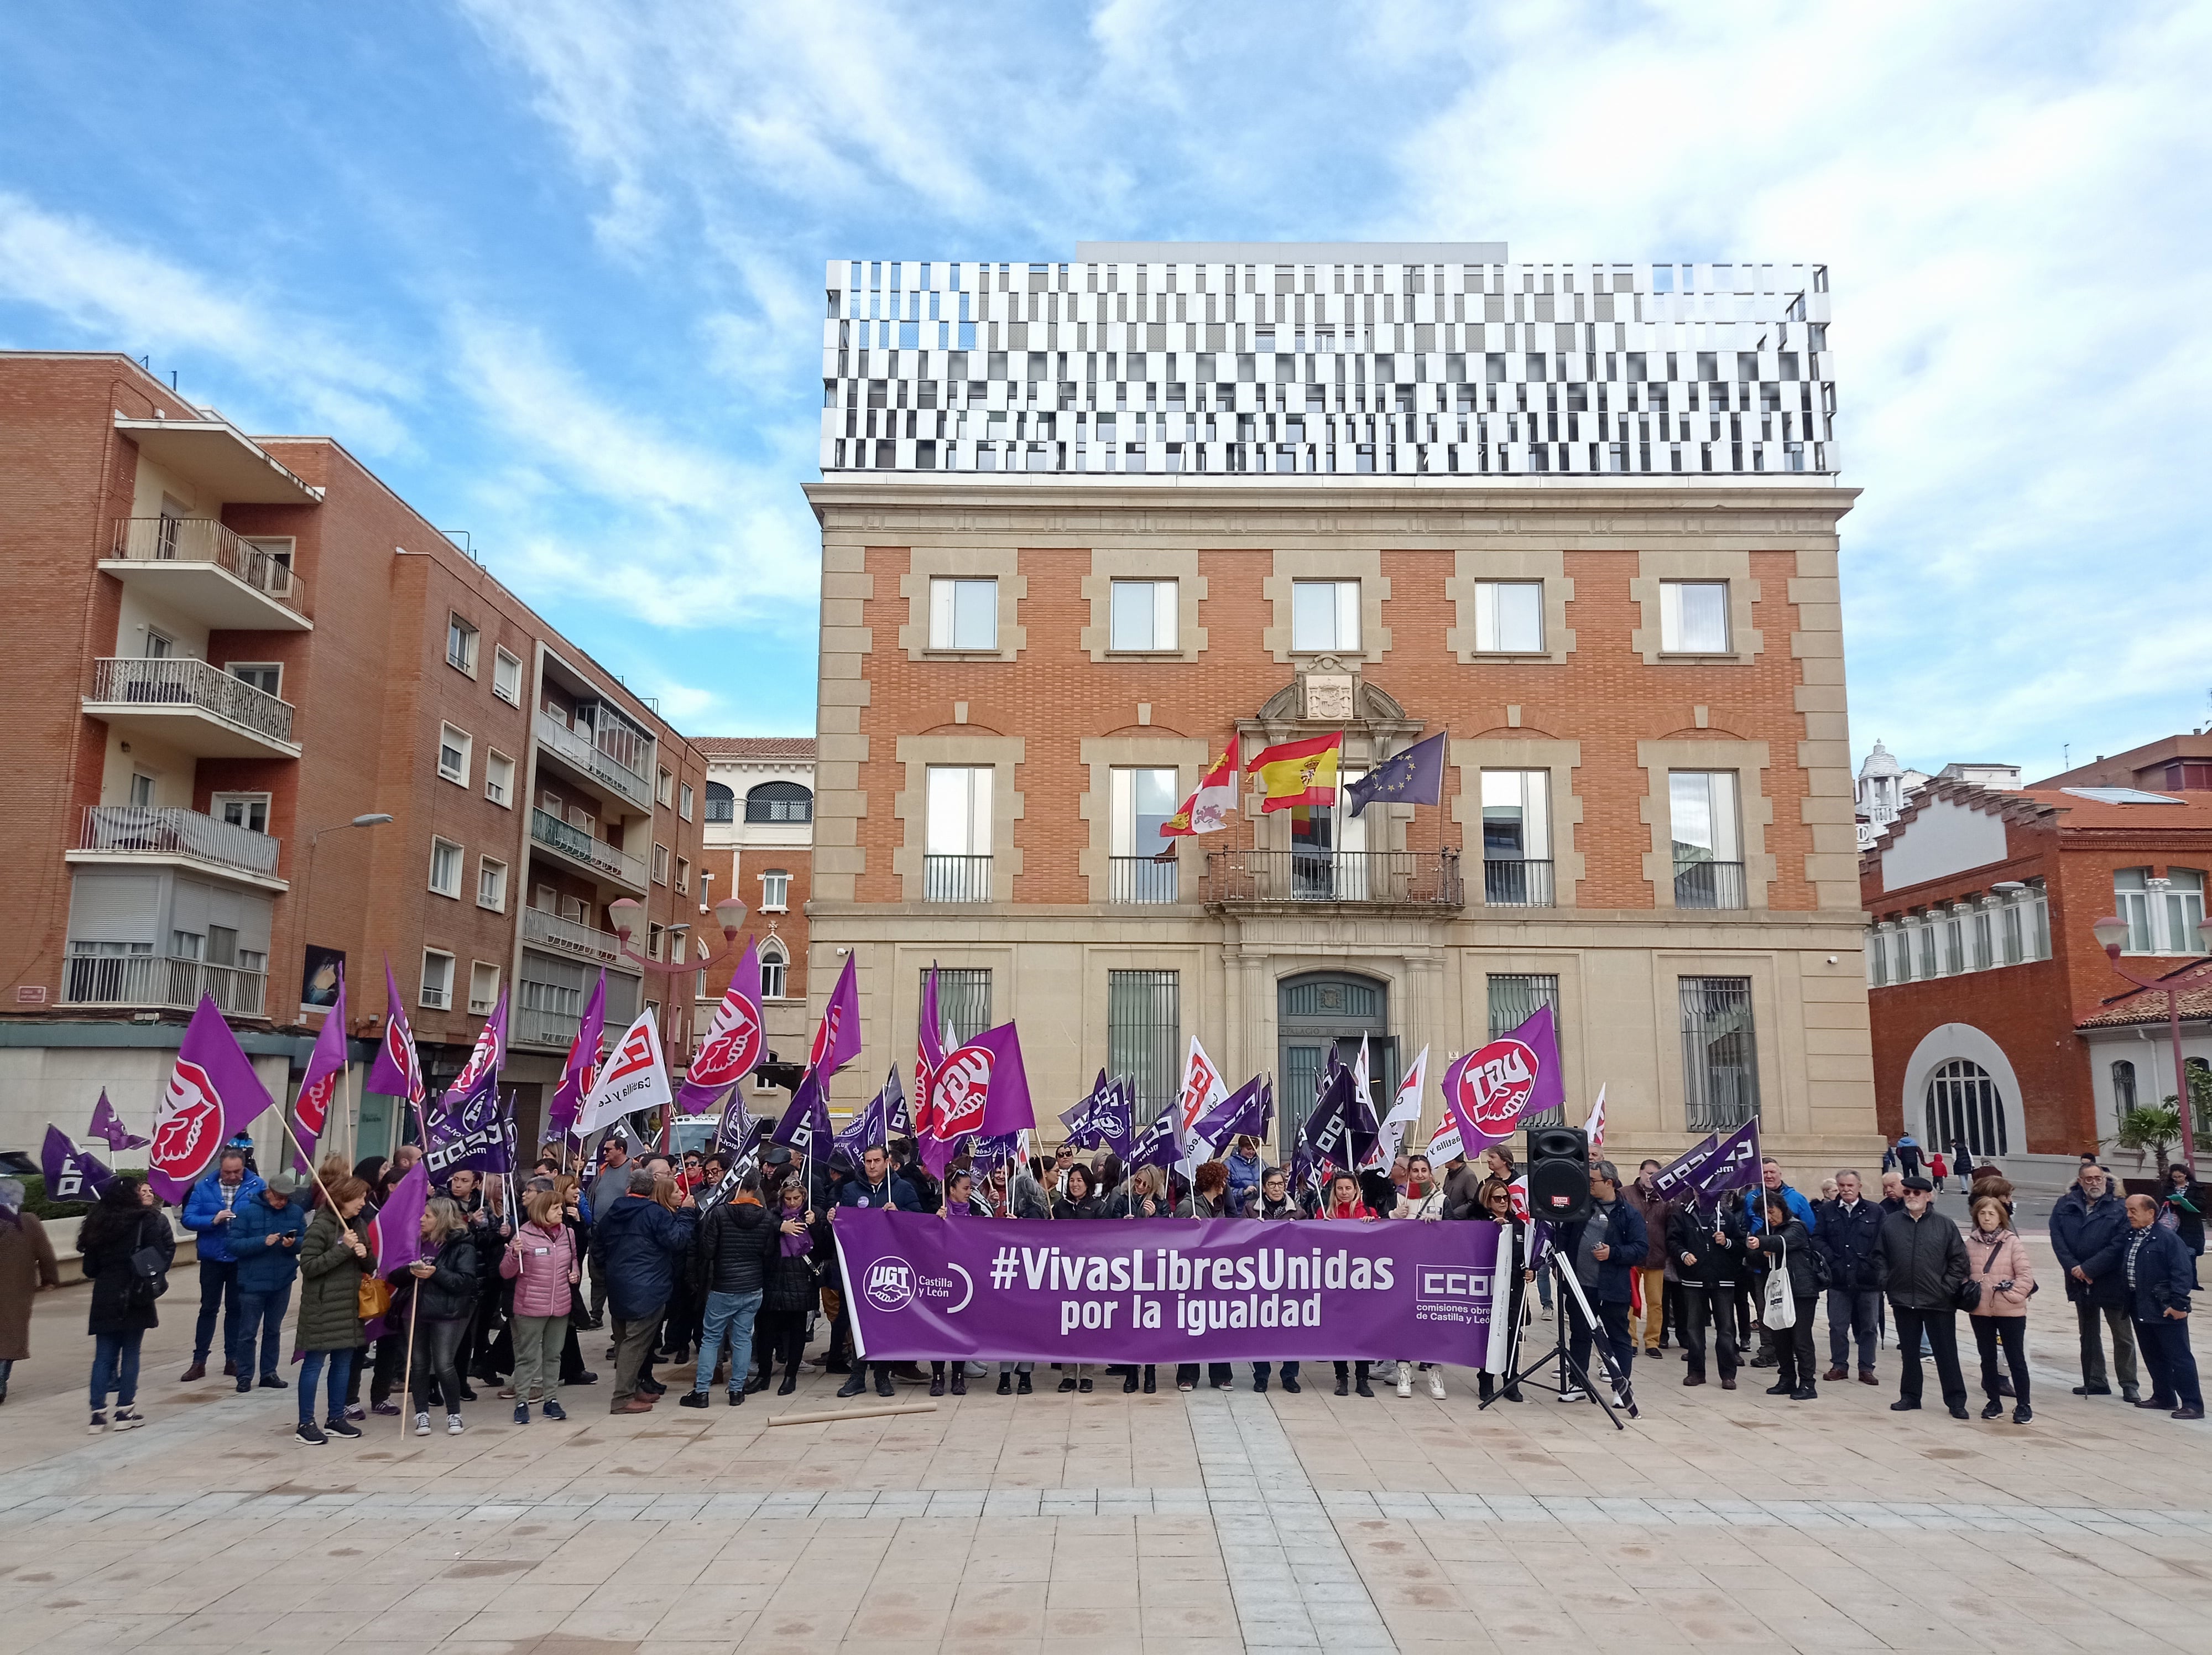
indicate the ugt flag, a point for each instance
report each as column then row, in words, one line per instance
column 733, row 1041
column 1415, row 776
column 396, row 1232
column 983, row 1088
column 398, row 1070
column 479, row 1076
column 837, row 1039
column 1489, row 1089
column 70, row 1173
column 326, row 1066
column 580, row 1073
column 213, row 1093
column 107, row 1127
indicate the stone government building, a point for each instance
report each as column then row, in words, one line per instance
column 1084, row 521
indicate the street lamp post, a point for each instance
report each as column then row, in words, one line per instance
column 374, row 819
column 729, row 914
column 2111, row 932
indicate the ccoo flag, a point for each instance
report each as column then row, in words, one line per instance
column 72, row 1174
column 1241, row 1114
column 733, row 1041
column 805, row 1126
column 213, row 1093
column 636, row 1077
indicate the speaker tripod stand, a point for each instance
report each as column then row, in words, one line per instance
column 1564, row 1284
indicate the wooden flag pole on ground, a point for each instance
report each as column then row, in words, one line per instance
column 875, row 1410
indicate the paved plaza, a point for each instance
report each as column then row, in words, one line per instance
column 1200, row 1525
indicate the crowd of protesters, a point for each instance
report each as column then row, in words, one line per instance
column 502, row 1299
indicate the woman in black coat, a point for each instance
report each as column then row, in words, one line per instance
column 1493, row 1201
column 1784, row 1245
column 794, row 1280
column 1078, row 1202
column 124, row 1225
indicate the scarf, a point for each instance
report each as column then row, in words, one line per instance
column 794, row 1245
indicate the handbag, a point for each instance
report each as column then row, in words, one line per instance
column 149, row 1276
column 1777, row 1306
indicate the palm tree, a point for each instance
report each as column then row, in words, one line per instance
column 2155, row 1127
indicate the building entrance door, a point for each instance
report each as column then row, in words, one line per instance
column 1315, row 1011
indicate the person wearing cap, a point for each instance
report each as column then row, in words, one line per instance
column 264, row 1240
column 1920, row 1263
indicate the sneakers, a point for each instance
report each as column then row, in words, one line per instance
column 1021, row 1386
column 98, row 1423
column 128, row 1418
column 453, row 1426
column 937, row 1385
column 1006, row 1384
column 337, row 1425
column 1992, row 1409
column 854, row 1385
column 553, row 1410
column 960, row 1380
column 422, row 1425
column 310, row 1435
column 2022, row 1415
column 522, row 1413
column 1405, row 1378
column 355, row 1411
column 1573, row 1394
column 690, row 1399
column 387, row 1409
column 1436, row 1382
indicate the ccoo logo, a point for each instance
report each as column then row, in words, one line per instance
column 890, row 1284
column 190, row 1128
column 1495, row 1085
column 960, row 1088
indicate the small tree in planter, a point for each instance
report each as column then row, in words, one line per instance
column 2153, row 1127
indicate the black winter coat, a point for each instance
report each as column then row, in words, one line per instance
column 1794, row 1247
column 1848, row 1239
column 2089, row 1233
column 1920, row 1263
column 1719, row 1263
column 735, row 1244
column 791, row 1282
column 449, row 1293
column 107, row 1267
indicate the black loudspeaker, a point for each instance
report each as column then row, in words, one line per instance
column 1558, row 1174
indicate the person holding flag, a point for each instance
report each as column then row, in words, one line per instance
column 872, row 1187
column 334, row 1258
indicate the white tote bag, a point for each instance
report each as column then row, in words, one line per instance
column 1778, row 1309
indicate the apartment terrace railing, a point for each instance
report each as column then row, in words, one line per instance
column 574, row 937
column 1709, row 885
column 1141, row 880
column 203, row 540
column 550, row 830
column 183, row 681
column 165, row 830
column 955, row 879
column 161, row 982
column 1517, row 885
column 591, row 754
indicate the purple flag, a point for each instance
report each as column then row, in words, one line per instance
column 1734, row 1165
column 108, row 1126
column 1678, row 1178
column 1160, row 1144
column 928, row 1054
column 733, row 1132
column 898, row 1119
column 479, row 1136
column 733, row 1045
column 984, row 1088
column 864, row 1132
column 397, row 1071
column 1415, row 776
column 1329, row 1142
column 837, row 1038
column 213, row 1093
column 1000, row 1150
column 70, row 1173
column 1488, row 1090
column 479, row 1076
column 319, row 1087
column 1242, row 1113
column 1102, row 1118
column 396, row 1232
column 580, row 1072
column 805, row 1126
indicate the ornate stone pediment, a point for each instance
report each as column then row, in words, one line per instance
column 1328, row 694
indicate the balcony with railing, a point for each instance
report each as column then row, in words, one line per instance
column 557, row 935
column 160, row 982
column 536, row 1025
column 610, row 862
column 1517, row 885
column 593, row 753
column 195, row 565
column 110, row 832
column 955, row 879
column 190, row 705
column 1142, row 880
column 1709, row 885
column 1374, row 879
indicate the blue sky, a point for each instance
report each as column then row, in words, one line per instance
column 552, row 268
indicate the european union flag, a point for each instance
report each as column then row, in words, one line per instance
column 1415, row 776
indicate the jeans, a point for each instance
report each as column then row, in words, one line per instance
column 1793, row 1348
column 311, row 1368
column 2116, row 1317
column 1261, row 1372
column 2012, row 1332
column 729, row 1315
column 1655, row 1305
column 261, row 1323
column 115, row 1367
column 634, row 1338
column 1941, row 1329
column 538, row 1340
column 2173, row 1367
column 1699, row 1303
column 437, row 1348
column 1612, row 1322
column 1852, row 1314
column 218, row 1292
column 1219, row 1375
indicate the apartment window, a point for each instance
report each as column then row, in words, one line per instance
column 1324, row 616
column 445, row 868
column 677, row 941
column 437, row 981
column 249, row 811
column 2162, row 915
column 956, row 855
column 2123, row 1087
column 1517, row 837
column 653, row 935
column 453, row 754
column 460, row 645
column 1720, row 1057
column 778, row 801
column 775, row 891
column 1144, row 615
column 664, row 788
column 1708, row 848
column 483, row 988
column 684, row 799
column 264, row 675
column 775, row 967
column 963, row 614
column 682, row 874
column 1509, row 616
column 1693, row 617
column 963, row 1000
column 1144, row 1035
column 160, row 646
column 660, row 864
column 1143, row 800
column 499, row 778
column 142, row 789
column 491, row 885
column 544, row 898
column 506, row 677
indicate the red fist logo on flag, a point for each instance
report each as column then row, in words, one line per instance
column 314, row 1107
column 732, row 1047
column 1495, row 1087
column 962, row 1086
column 190, row 1129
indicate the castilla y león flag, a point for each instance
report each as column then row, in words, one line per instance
column 213, row 1092
column 1213, row 798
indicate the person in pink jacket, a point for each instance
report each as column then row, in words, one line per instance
column 541, row 1261
column 1996, row 1258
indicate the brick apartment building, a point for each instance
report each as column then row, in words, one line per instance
column 1996, row 1016
column 228, row 648
column 760, row 843
column 1083, row 522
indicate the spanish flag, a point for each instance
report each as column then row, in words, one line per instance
column 1298, row 772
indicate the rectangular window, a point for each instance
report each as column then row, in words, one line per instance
column 1954, row 945
column 1693, row 617
column 460, row 651
column 682, row 874
column 142, row 788
column 1708, row 852
column 1144, row 1035
column 1923, row 928
column 445, row 868
column 506, row 677
column 963, row 1000
column 660, row 864
column 1514, row 997
column 453, row 754
column 775, row 891
column 1517, row 838
column 1509, row 616
column 684, row 799
column 1720, row 1058
column 956, row 855
column 499, row 778
column 1325, row 617
column 483, row 989
column 491, row 885
column 1984, row 948
column 1144, row 615
column 437, row 993
column 1142, row 801
column 266, row 676
column 664, row 788
column 1877, row 959
column 653, row 933
column 963, row 614
column 249, row 811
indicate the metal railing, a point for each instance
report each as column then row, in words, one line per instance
column 1141, row 878
column 1709, row 885
column 1403, row 878
column 590, row 755
column 182, row 681
column 1517, row 885
column 570, row 936
column 550, row 830
column 165, row 830
column 158, row 981
column 955, row 879
column 203, row 540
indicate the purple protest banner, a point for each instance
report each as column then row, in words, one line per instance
column 107, row 1127
column 70, row 1173
column 1166, row 1290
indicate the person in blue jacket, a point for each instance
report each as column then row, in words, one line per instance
column 2158, row 1274
column 209, row 1210
column 643, row 1239
column 1605, row 1250
column 264, row 1239
column 874, row 1186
